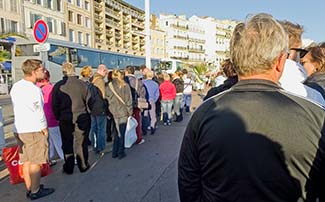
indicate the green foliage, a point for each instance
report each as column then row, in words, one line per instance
column 5, row 35
column 199, row 70
column 5, row 55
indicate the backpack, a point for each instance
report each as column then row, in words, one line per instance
column 96, row 103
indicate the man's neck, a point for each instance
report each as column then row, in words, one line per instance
column 30, row 78
column 260, row 77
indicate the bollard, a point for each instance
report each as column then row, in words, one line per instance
column 2, row 134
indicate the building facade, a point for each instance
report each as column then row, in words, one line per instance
column 79, row 22
column 11, row 16
column 185, row 39
column 119, row 27
column 157, row 39
column 51, row 11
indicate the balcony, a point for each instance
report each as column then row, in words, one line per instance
column 109, row 33
column 126, row 38
column 126, row 46
column 142, row 41
column 180, row 47
column 109, row 43
column 112, row 23
column 98, row 18
column 180, row 27
column 137, row 23
column 117, row 36
column 98, row 29
column 135, row 48
column 98, row 6
column 112, row 13
column 180, row 57
column 99, row 40
column 180, row 37
column 196, row 50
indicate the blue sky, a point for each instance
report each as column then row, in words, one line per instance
column 309, row 13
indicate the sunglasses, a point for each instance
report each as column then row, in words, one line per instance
column 302, row 52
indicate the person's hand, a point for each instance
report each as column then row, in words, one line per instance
column 45, row 132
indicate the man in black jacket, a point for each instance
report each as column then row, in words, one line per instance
column 69, row 103
column 254, row 142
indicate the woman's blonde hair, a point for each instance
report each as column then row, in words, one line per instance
column 149, row 74
column 68, row 69
column 86, row 71
column 166, row 77
column 256, row 44
column 119, row 76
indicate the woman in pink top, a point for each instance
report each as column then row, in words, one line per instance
column 55, row 141
column 168, row 94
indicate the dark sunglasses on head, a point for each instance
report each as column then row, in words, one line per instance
column 302, row 52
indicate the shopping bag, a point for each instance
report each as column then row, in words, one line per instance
column 10, row 156
column 130, row 132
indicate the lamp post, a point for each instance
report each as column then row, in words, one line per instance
column 147, row 31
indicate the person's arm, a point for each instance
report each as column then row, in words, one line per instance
column 189, row 175
column 55, row 102
column 128, row 100
column 39, row 110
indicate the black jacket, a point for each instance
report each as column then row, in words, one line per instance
column 317, row 82
column 179, row 84
column 228, row 83
column 69, row 100
column 253, row 143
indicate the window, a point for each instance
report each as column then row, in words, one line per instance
column 2, row 25
column 70, row 1
column 33, row 19
column 50, row 4
column 78, row 19
column 70, row 16
column 79, row 3
column 167, row 23
column 63, row 30
column 13, row 6
column 88, row 58
column 58, row 5
column 25, row 50
column 50, row 24
column 39, row 2
column 87, row 7
column 1, row 4
column 71, row 35
column 57, row 54
column 80, row 37
column 87, row 39
column 87, row 21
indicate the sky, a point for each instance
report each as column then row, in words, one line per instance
column 308, row 13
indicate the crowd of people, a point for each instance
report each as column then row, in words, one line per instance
column 89, row 109
column 258, row 136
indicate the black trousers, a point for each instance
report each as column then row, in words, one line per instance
column 75, row 143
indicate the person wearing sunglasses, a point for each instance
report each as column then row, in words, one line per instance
column 294, row 74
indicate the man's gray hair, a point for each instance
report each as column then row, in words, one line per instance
column 257, row 43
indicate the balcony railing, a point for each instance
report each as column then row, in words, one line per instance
column 181, row 27
column 196, row 50
column 112, row 13
column 98, row 6
column 113, row 23
column 180, row 37
column 180, row 47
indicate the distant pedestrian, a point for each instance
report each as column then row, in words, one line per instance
column 30, row 127
column 188, row 87
column 69, row 103
column 178, row 101
column 168, row 94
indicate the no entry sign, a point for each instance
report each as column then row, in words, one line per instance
column 40, row 31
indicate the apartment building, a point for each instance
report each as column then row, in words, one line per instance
column 119, row 27
column 184, row 38
column 51, row 11
column 80, row 27
column 11, row 16
column 217, row 37
column 157, row 39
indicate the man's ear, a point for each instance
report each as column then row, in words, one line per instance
column 280, row 62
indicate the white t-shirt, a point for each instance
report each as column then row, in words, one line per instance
column 188, row 82
column 27, row 102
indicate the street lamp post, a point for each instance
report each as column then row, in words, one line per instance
column 147, row 30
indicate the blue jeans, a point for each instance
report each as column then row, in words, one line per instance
column 98, row 132
column 167, row 108
column 187, row 102
column 119, row 137
column 178, row 104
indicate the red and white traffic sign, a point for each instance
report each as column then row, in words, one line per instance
column 40, row 31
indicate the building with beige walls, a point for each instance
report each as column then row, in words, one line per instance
column 119, row 27
column 11, row 16
column 79, row 18
column 158, row 39
column 51, row 11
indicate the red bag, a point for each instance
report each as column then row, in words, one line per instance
column 10, row 156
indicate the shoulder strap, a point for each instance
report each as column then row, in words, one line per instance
column 136, row 84
column 114, row 92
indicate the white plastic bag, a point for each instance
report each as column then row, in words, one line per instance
column 130, row 132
